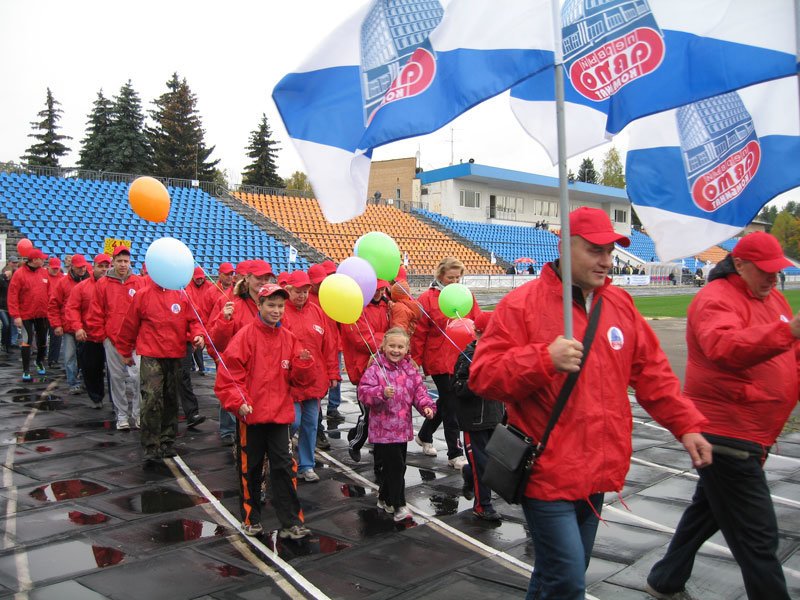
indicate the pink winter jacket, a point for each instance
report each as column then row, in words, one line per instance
column 390, row 418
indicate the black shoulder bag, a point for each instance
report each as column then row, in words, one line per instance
column 512, row 453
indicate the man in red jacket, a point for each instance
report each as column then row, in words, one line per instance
column 28, row 295
column 523, row 360
column 113, row 296
column 56, row 314
column 742, row 373
column 197, row 290
column 56, row 275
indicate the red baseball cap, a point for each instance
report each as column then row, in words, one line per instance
column 762, row 249
column 225, row 268
column 242, row 267
column 329, row 266
column 282, row 278
column 259, row 268
column 271, row 289
column 120, row 249
column 79, row 260
column 383, row 284
column 482, row 321
column 101, row 258
column 316, row 273
column 198, row 273
column 35, row 253
column 54, row 263
column 593, row 225
column 298, row 279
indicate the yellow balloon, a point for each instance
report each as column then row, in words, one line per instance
column 341, row 298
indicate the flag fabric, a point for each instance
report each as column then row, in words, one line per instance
column 292, row 254
column 626, row 59
column 493, row 259
column 401, row 68
column 697, row 175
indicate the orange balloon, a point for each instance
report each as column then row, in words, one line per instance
column 149, row 199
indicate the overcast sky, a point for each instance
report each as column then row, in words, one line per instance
column 231, row 53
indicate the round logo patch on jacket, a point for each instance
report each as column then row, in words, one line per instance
column 176, row 308
column 784, row 318
column 131, row 292
column 284, row 364
column 319, row 330
column 615, row 338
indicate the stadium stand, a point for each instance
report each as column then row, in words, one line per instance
column 67, row 215
column 425, row 245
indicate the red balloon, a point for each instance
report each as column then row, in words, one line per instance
column 461, row 331
column 24, row 246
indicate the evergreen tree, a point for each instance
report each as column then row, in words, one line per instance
column 768, row 214
column 613, row 173
column 586, row 172
column 96, row 151
column 263, row 150
column 48, row 149
column 177, row 138
column 129, row 149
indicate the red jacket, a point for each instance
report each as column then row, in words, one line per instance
column 211, row 296
column 429, row 347
column 311, row 329
column 590, row 447
column 158, row 324
column 57, row 306
column 245, row 311
column 28, row 293
column 333, row 326
column 262, row 363
column 198, row 297
column 76, row 314
column 361, row 339
column 112, row 299
column 406, row 314
column 742, row 370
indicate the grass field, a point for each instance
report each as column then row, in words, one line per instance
column 675, row 306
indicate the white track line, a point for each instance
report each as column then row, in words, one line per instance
column 285, row 567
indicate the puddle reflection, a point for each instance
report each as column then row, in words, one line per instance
column 81, row 518
column 67, row 489
column 35, row 435
column 314, row 544
column 160, row 500
column 186, row 530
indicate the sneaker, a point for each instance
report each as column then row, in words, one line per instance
column 168, row 451
column 310, row 476
column 355, row 454
column 322, row 441
column 458, row 462
column 427, row 447
column 401, row 514
column 683, row 595
column 385, row 507
column 195, row 420
column 228, row 439
column 97, row 404
column 467, row 486
column 252, row 530
column 488, row 514
column 295, row 532
column 75, row 390
column 334, row 415
column 26, row 377
column 40, row 370
column 123, row 424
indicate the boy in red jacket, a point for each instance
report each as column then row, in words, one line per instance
column 157, row 325
column 261, row 362
column 28, row 294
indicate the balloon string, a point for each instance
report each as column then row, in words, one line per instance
column 219, row 289
column 218, row 353
column 375, row 342
column 372, row 355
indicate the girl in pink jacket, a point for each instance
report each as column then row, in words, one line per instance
column 389, row 387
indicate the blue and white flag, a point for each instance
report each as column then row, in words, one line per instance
column 626, row 59
column 292, row 254
column 697, row 175
column 401, row 68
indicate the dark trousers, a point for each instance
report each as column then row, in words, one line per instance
column 30, row 328
column 185, row 389
column 92, row 361
column 272, row 439
column 158, row 411
column 357, row 436
column 5, row 319
column 390, row 473
column 731, row 496
column 197, row 357
column 54, row 349
column 475, row 448
column 445, row 414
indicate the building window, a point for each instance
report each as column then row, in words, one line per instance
column 621, row 216
column 470, row 199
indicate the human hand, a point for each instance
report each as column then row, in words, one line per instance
column 128, row 361
column 80, row 335
column 333, row 383
column 59, row 331
column 245, row 409
column 566, row 354
column 198, row 342
column 698, row 448
column 18, row 322
column 427, row 412
column 388, row 391
column 227, row 311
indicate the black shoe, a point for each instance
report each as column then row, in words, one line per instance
column 467, row 489
column 168, row 451
column 322, row 441
column 195, row 420
column 488, row 514
column 151, row 457
column 227, row 439
column 355, row 454
column 334, row 415
column 97, row 404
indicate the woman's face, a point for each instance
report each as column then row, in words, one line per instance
column 452, row 275
column 298, row 295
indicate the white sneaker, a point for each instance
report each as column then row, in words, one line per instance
column 458, row 462
column 385, row 507
column 309, row 476
column 401, row 514
column 427, row 448
column 123, row 424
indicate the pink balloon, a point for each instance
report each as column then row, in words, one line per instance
column 363, row 274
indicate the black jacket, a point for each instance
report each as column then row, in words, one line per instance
column 473, row 412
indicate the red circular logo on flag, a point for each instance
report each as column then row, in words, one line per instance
column 415, row 77
column 728, row 179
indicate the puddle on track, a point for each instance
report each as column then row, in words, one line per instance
column 159, row 500
column 67, row 489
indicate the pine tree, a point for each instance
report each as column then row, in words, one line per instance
column 177, row 138
column 129, row 149
column 613, row 173
column 96, row 151
column 263, row 150
column 49, row 148
column 586, row 172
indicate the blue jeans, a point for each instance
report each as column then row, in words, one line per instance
column 71, row 359
column 305, row 419
column 227, row 422
column 335, row 393
column 563, row 536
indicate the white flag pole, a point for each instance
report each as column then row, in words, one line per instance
column 566, row 258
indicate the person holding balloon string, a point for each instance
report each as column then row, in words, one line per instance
column 433, row 348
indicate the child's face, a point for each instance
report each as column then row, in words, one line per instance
column 395, row 347
column 271, row 309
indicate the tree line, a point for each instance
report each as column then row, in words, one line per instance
column 784, row 224
column 119, row 138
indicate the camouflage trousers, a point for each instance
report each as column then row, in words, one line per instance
column 160, row 378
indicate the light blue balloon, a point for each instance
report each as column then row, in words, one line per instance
column 170, row 263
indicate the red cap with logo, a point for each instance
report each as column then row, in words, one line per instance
column 763, row 250
column 101, row 258
column 225, row 268
column 298, row 279
column 316, row 273
column 79, row 260
column 35, row 253
column 329, row 266
column 242, row 267
column 54, row 263
column 120, row 249
column 259, row 268
column 271, row 289
column 593, row 225
column 282, row 278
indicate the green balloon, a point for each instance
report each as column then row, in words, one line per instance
column 381, row 251
column 455, row 300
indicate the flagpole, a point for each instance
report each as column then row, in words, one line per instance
column 563, row 191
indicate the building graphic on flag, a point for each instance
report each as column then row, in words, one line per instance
column 720, row 148
column 609, row 43
column 397, row 60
